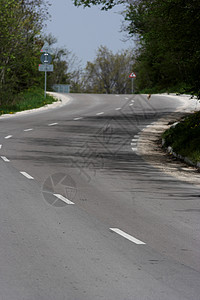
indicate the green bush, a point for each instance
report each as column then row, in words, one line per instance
column 30, row 99
column 184, row 138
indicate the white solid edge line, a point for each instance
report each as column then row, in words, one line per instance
column 63, row 199
column 52, row 124
column 5, row 158
column 100, row 113
column 29, row 129
column 26, row 175
column 8, row 137
column 127, row 236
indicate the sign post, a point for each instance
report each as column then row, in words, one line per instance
column 45, row 67
column 132, row 76
column 45, row 84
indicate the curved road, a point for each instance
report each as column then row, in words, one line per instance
column 83, row 216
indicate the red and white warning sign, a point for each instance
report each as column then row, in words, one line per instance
column 132, row 75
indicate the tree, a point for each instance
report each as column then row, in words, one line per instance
column 60, row 75
column 67, row 68
column 170, row 47
column 109, row 72
column 168, row 56
column 104, row 3
column 20, row 26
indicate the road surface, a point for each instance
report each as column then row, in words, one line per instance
column 83, row 216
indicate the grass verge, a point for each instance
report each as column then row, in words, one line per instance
column 184, row 138
column 30, row 99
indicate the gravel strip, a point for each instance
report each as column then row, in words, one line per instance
column 150, row 146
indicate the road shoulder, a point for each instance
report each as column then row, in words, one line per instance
column 150, row 146
column 62, row 100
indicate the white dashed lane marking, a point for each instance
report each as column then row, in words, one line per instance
column 118, row 108
column 5, row 159
column 8, row 137
column 52, row 124
column 0, row 146
column 26, row 175
column 29, row 129
column 127, row 236
column 63, row 199
column 100, row 113
column 79, row 118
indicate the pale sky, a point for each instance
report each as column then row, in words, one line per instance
column 83, row 30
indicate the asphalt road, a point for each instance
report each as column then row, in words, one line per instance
column 84, row 217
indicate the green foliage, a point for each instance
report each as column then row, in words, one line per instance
column 21, row 22
column 169, row 53
column 20, row 25
column 104, row 3
column 67, row 69
column 109, row 72
column 29, row 99
column 167, row 34
column 60, row 75
column 184, row 138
